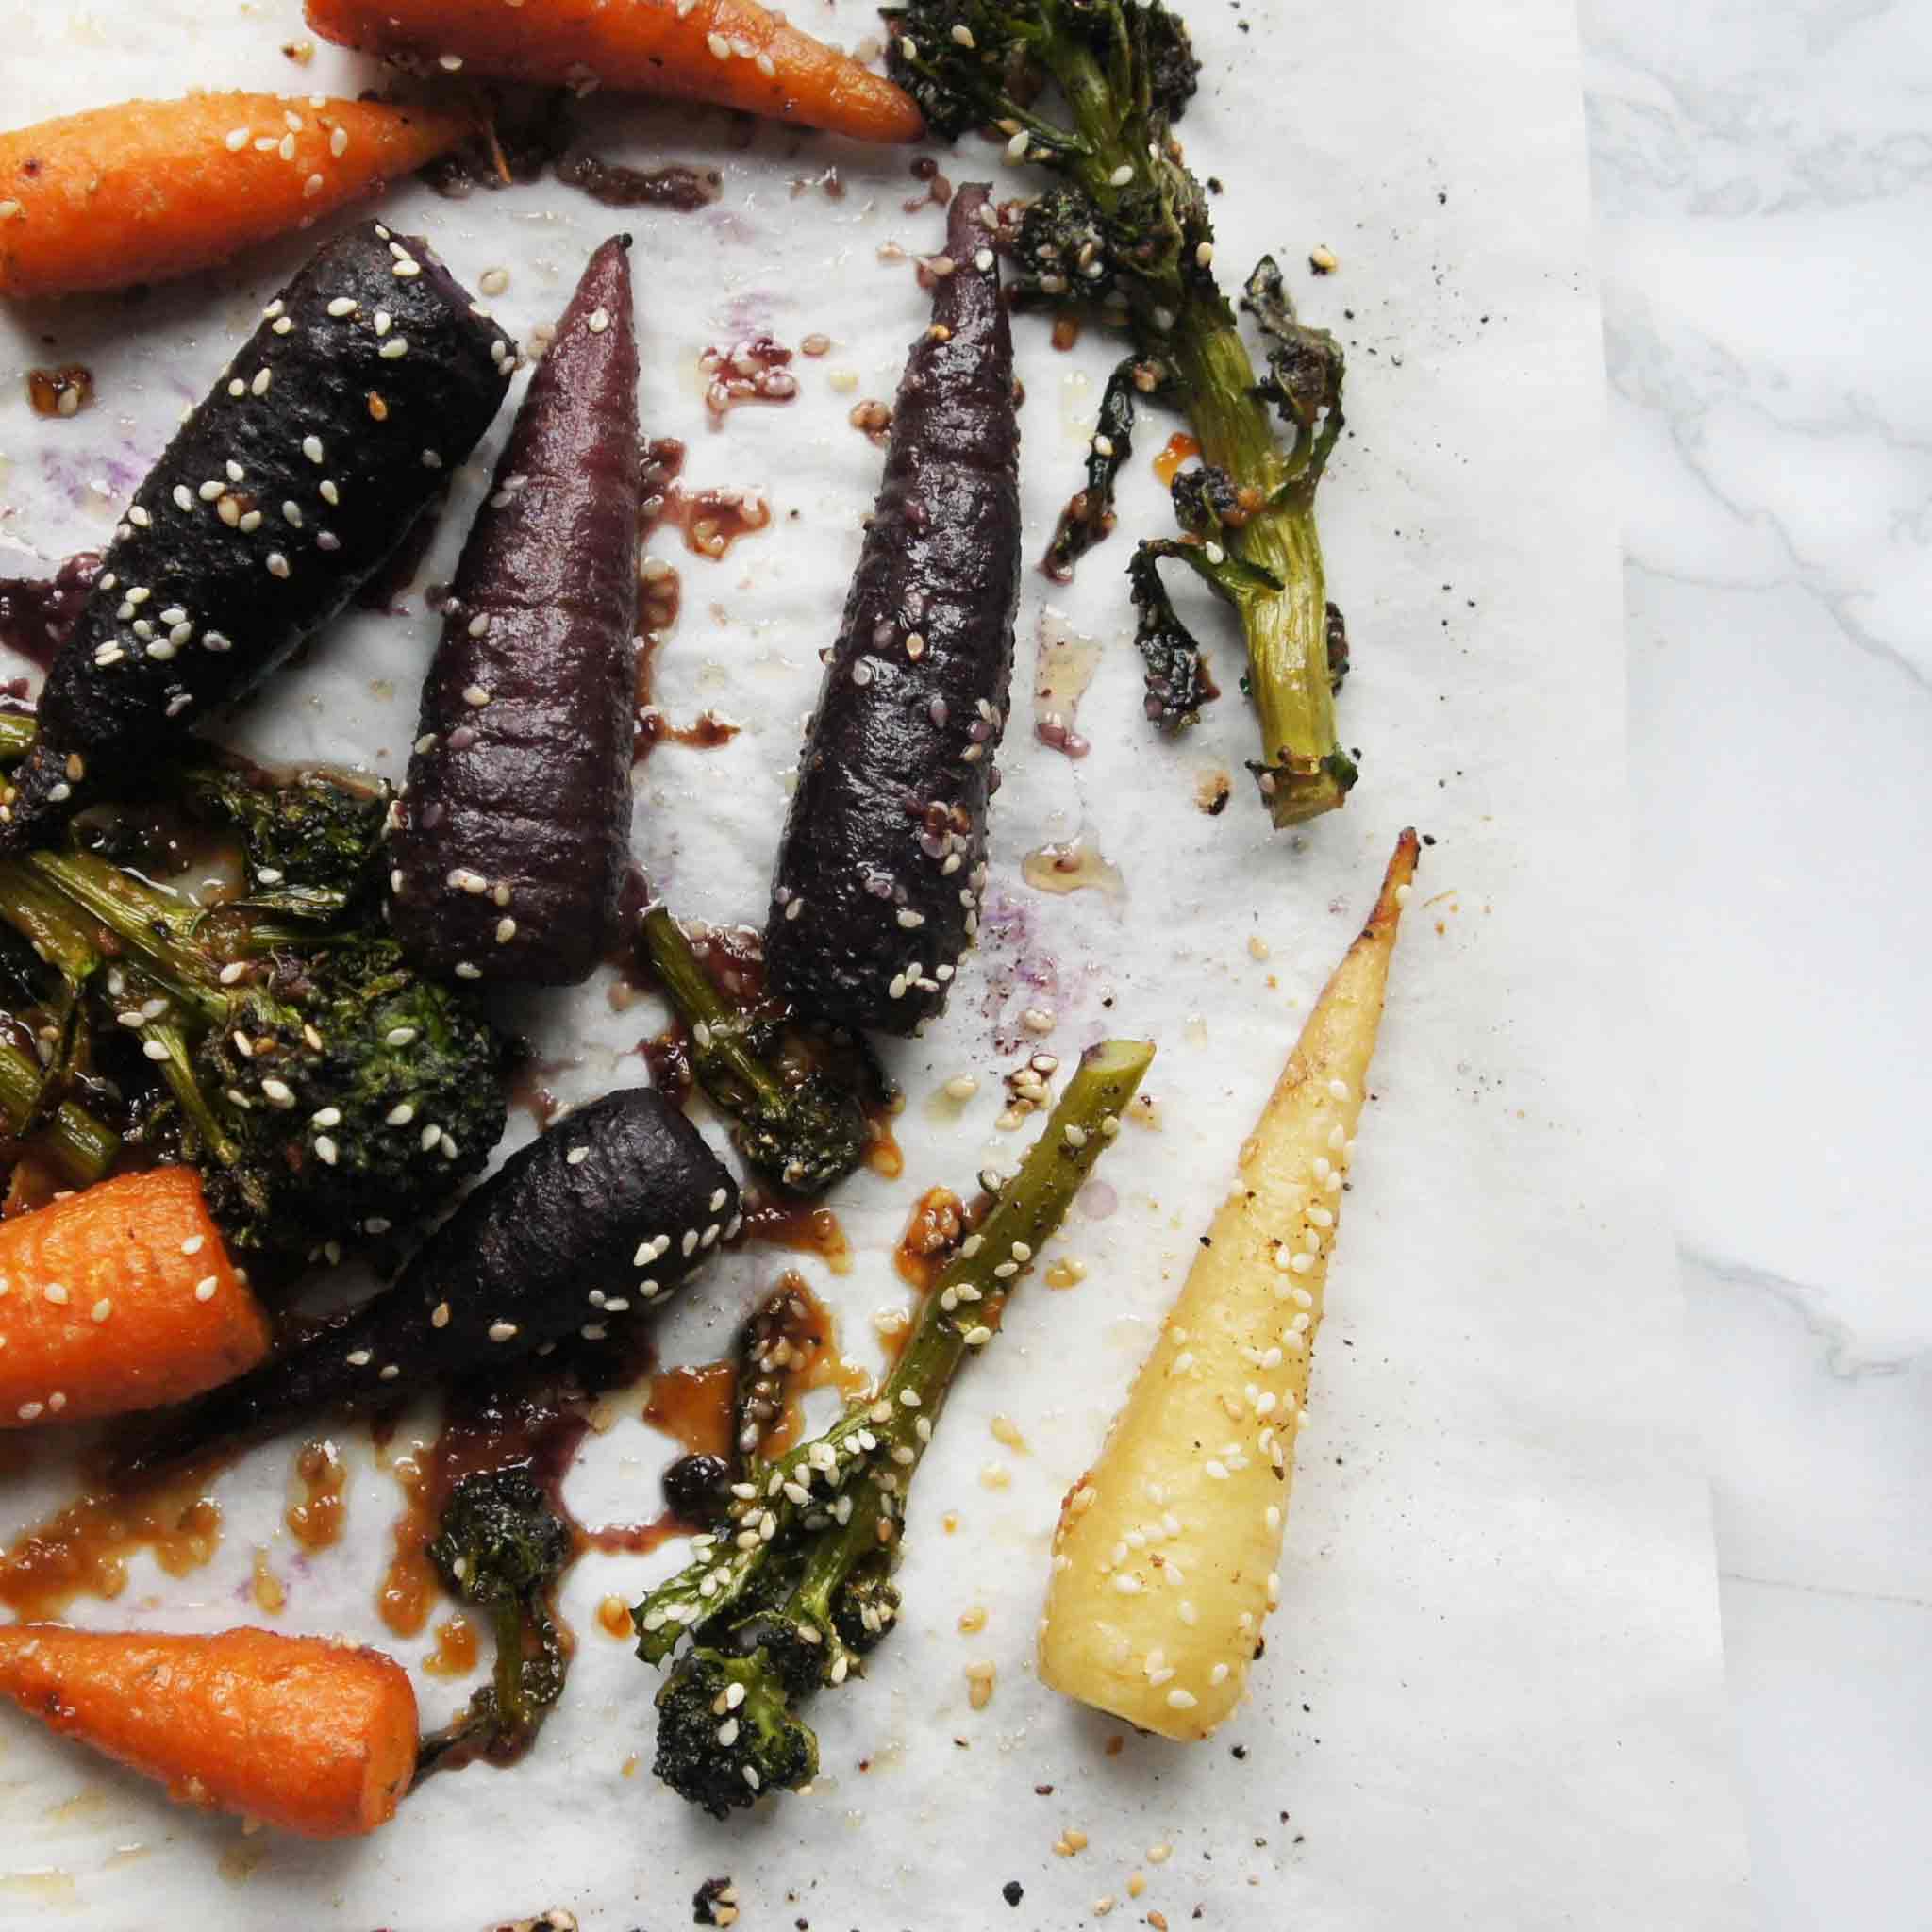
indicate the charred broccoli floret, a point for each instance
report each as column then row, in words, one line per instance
column 1125, row 235
column 319, row 1085
column 501, row 1547
column 794, row 1120
column 796, row 1586
column 726, row 1733
column 311, row 845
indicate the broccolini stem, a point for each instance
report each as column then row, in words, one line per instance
column 49, row 921
column 155, row 926
column 718, row 1052
column 857, row 1472
column 177, row 1069
column 1303, row 774
column 82, row 1147
column 18, row 730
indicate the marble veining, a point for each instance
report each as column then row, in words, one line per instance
column 1762, row 172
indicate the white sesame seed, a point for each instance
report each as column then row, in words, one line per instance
column 205, row 1289
column 600, row 321
column 1121, row 175
column 324, row 1150
column 1127, row 1585
column 503, row 1331
column 1337, row 1089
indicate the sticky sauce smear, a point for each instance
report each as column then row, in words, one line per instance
column 693, row 1405
column 266, row 1588
column 318, row 1483
column 800, row 1228
column 1063, row 666
column 1179, row 448
column 934, row 1226
column 712, row 520
column 455, row 1655
column 84, row 1549
column 1072, row 866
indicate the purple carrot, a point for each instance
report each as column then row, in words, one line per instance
column 513, row 829
column 883, row 859
column 371, row 375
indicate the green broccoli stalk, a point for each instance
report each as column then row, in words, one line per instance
column 796, row 1123
column 797, row 1588
column 308, row 1066
column 81, row 1147
column 1126, row 237
column 501, row 1547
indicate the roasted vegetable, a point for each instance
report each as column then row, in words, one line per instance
column 1125, row 237
column 121, row 1297
column 792, row 1120
column 1210, row 1426
column 734, row 52
column 145, row 191
column 797, row 1586
column 369, row 376
column 501, row 1547
column 309, row 1065
column 310, row 845
column 599, row 1218
column 82, row 1147
column 513, row 831
column 883, row 858
column 302, row 1733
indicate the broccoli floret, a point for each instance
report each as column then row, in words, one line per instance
column 794, row 1121
column 311, row 845
column 1089, row 91
column 793, row 1591
column 726, row 1733
column 501, row 1547
column 321, row 1087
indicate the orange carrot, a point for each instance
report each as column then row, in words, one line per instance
column 311, row 1736
column 119, row 1298
column 731, row 52
column 152, row 189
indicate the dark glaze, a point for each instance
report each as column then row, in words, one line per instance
column 897, row 770
column 375, row 418
column 529, row 790
column 530, row 1257
column 668, row 1056
column 712, row 520
column 755, row 370
column 674, row 186
column 37, row 613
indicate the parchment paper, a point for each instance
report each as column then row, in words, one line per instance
column 1492, row 1697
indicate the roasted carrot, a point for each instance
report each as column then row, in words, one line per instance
column 299, row 1732
column 148, row 189
column 118, row 1298
column 732, row 52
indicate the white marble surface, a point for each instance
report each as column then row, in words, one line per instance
column 1763, row 175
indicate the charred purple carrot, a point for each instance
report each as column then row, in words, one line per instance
column 884, row 853
column 371, row 375
column 514, row 827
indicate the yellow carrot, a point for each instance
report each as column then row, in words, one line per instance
column 311, row 1736
column 1166, row 1554
column 731, row 52
column 148, row 189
